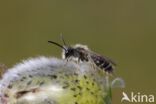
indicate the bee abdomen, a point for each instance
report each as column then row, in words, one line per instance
column 103, row 64
column 108, row 68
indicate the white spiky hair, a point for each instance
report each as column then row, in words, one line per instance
column 43, row 67
column 40, row 66
column 32, row 66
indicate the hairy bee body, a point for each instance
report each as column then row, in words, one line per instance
column 82, row 53
column 77, row 52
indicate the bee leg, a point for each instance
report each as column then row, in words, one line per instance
column 78, row 60
column 66, row 61
column 100, row 67
column 93, row 65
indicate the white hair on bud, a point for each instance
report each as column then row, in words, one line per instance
column 35, row 66
column 41, row 66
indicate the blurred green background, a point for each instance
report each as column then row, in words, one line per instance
column 124, row 30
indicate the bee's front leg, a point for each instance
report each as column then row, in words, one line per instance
column 78, row 61
column 66, row 61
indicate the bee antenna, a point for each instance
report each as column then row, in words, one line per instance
column 58, row 45
column 63, row 40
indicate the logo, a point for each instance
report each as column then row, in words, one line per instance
column 137, row 97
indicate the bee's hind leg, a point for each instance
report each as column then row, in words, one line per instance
column 91, row 62
column 93, row 65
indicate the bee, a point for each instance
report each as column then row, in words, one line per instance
column 84, row 54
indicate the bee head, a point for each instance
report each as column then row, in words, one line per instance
column 67, row 50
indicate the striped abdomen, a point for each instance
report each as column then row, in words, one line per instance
column 103, row 63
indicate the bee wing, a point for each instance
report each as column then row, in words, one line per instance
column 104, row 57
column 110, row 60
